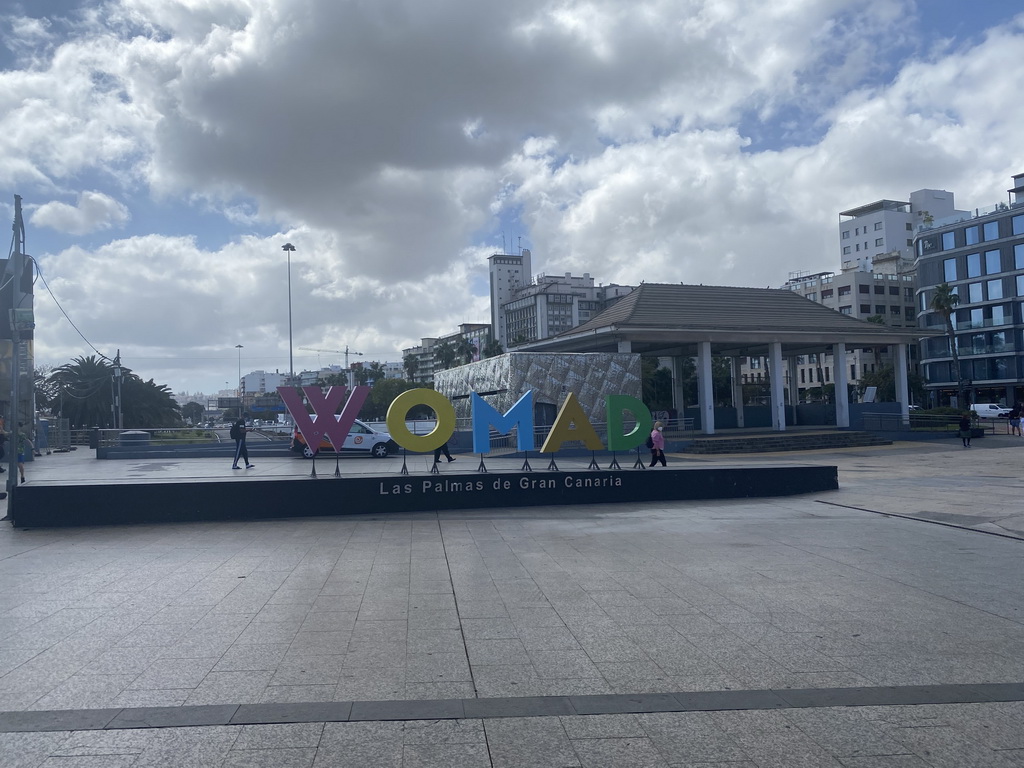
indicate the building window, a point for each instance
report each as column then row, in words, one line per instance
column 864, row 288
column 1018, row 225
column 1020, row 285
column 857, row 232
column 910, row 227
column 878, row 242
column 826, row 375
column 948, row 241
column 878, row 225
column 992, row 262
column 879, row 309
column 894, row 310
column 909, row 242
column 844, row 290
column 865, row 309
column 857, row 246
column 846, row 234
column 880, row 289
column 846, row 310
column 853, row 370
column 949, row 270
column 995, row 289
column 1018, row 256
column 894, row 290
column 974, row 292
column 908, row 294
column 908, row 314
column 846, row 250
column 974, row 265
column 812, row 296
column 971, row 235
column 803, row 376
column 991, row 230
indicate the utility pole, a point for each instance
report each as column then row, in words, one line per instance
column 20, row 320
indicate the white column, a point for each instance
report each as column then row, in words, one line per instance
column 737, row 389
column 794, row 385
column 902, row 385
column 677, row 387
column 778, row 390
column 840, row 376
column 705, row 391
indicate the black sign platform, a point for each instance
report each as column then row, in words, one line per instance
column 95, row 503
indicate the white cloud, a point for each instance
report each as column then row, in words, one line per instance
column 667, row 140
column 94, row 212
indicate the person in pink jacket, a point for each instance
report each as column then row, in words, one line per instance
column 658, row 444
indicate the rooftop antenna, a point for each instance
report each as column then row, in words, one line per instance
column 503, row 241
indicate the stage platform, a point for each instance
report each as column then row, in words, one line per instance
column 76, row 489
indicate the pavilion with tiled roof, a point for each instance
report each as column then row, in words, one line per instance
column 706, row 321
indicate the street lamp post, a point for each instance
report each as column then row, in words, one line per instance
column 238, row 390
column 289, row 249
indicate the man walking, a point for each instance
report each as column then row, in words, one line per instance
column 238, row 430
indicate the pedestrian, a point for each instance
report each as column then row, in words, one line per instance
column 443, row 449
column 965, row 429
column 1014, row 416
column 658, row 444
column 24, row 444
column 238, row 430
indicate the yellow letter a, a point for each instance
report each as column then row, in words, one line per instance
column 572, row 424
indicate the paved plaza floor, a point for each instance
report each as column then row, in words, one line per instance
column 877, row 626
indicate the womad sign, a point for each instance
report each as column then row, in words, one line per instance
column 571, row 424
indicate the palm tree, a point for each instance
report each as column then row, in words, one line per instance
column 493, row 348
column 444, row 355
column 85, row 387
column 410, row 363
column 944, row 302
column 877, row 350
column 464, row 349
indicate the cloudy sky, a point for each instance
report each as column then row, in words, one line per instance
column 166, row 150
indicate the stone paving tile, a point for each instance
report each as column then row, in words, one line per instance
column 530, row 743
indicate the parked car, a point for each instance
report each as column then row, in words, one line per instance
column 360, row 438
column 990, row 411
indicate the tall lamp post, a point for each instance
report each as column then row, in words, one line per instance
column 239, row 347
column 289, row 249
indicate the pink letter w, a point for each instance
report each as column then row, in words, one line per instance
column 324, row 422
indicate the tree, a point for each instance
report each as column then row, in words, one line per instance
column 411, row 364
column 377, row 372
column 84, row 389
column 464, row 349
column 884, row 379
column 656, row 384
column 444, row 354
column 877, row 350
column 944, row 303
column 493, row 348
column 384, row 391
column 193, row 412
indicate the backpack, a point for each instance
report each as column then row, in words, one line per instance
column 236, row 433
column 650, row 442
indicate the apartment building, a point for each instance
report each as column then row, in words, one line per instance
column 980, row 255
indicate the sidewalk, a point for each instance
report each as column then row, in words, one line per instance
column 482, row 638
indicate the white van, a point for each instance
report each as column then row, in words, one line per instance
column 990, row 411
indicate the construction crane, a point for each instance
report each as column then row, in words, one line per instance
column 346, row 352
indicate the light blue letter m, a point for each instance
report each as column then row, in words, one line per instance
column 484, row 417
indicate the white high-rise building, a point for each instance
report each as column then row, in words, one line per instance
column 507, row 273
column 888, row 226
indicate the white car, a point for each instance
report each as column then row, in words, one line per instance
column 360, row 438
column 990, row 411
